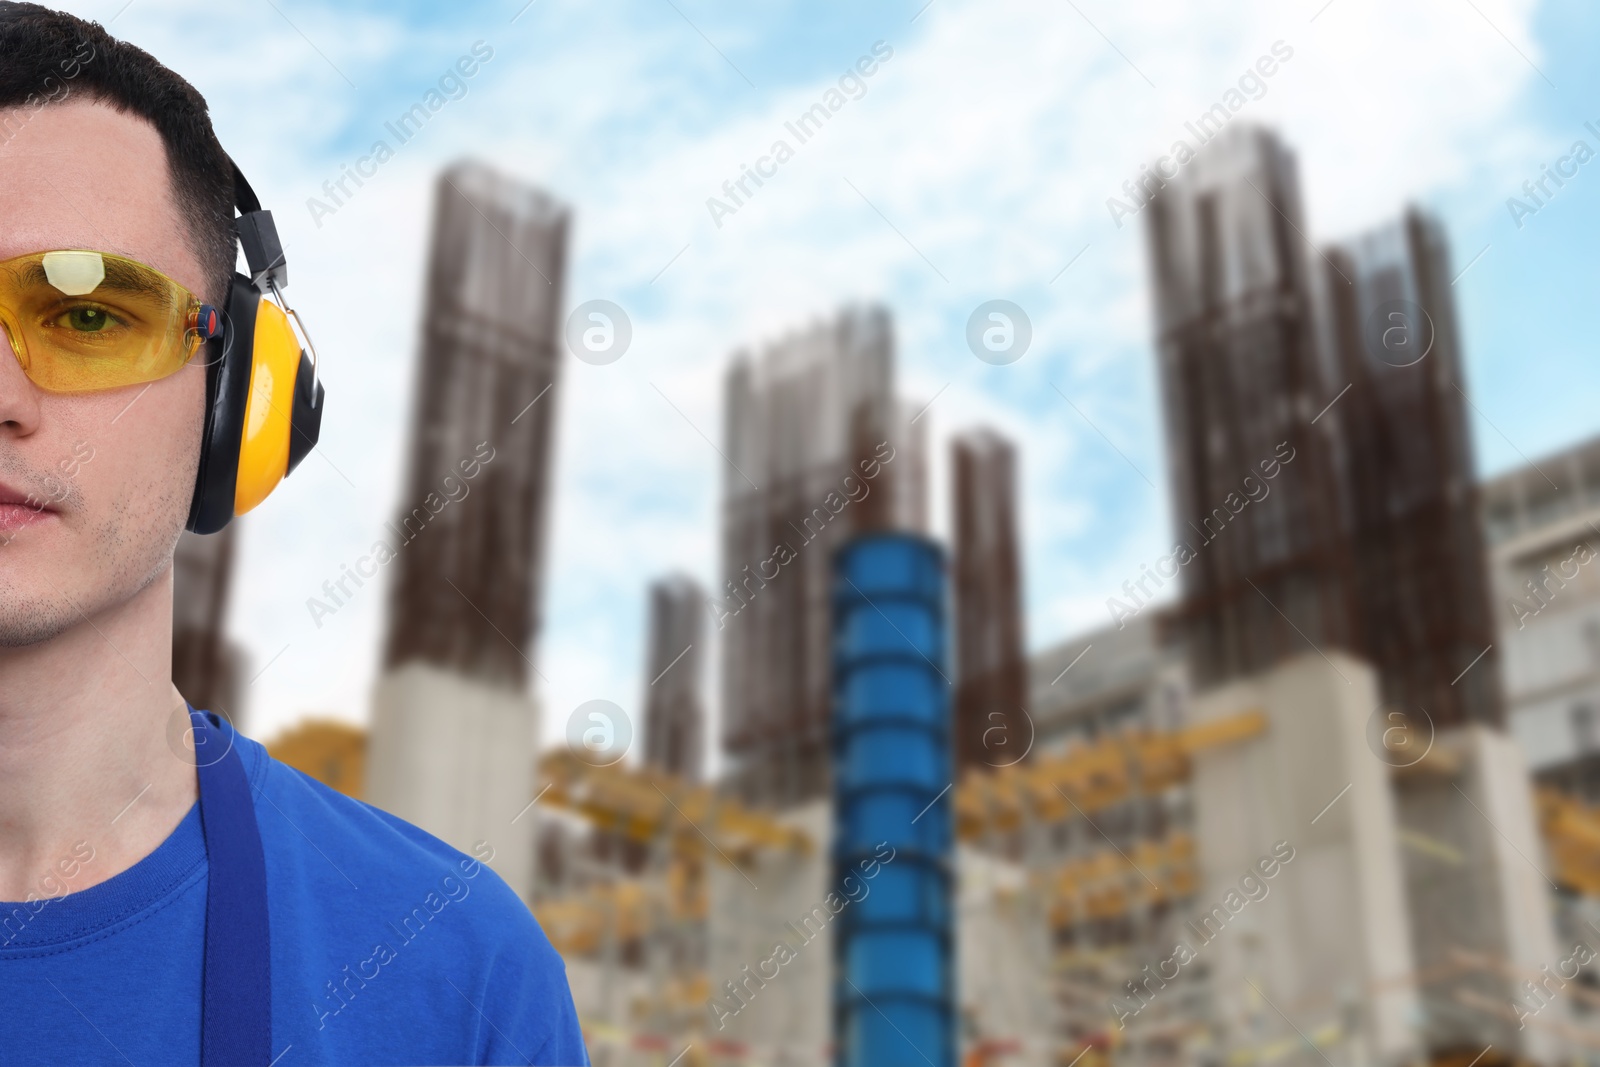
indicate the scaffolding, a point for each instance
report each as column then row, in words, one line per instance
column 652, row 922
column 1100, row 839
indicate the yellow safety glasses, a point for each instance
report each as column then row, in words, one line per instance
column 83, row 321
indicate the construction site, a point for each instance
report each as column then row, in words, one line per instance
column 1336, row 802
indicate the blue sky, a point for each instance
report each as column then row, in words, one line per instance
column 976, row 166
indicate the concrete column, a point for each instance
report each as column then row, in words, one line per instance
column 1004, row 950
column 455, row 757
column 776, row 1002
column 1320, row 948
column 1482, row 909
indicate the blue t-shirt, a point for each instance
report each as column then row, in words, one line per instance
column 388, row 947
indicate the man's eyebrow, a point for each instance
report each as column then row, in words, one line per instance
column 119, row 277
column 125, row 277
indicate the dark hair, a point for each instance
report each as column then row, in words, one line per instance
column 48, row 56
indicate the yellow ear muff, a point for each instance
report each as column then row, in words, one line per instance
column 264, row 444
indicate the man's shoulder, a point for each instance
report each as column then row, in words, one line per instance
column 367, row 893
column 331, row 846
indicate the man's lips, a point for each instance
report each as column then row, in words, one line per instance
column 19, row 509
column 11, row 495
column 14, row 517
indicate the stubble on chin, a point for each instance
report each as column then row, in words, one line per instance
column 89, row 563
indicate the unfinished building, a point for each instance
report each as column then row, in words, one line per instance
column 990, row 726
column 468, row 582
column 1543, row 527
column 1316, row 422
column 1265, row 566
column 454, row 720
column 819, row 448
column 1336, row 580
column 1421, row 579
column 1543, row 523
column 674, row 699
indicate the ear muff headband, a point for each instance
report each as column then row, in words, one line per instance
column 263, row 399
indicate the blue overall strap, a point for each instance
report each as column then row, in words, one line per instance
column 236, row 1000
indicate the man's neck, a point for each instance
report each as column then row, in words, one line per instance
column 96, row 758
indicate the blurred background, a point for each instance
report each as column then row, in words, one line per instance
column 941, row 532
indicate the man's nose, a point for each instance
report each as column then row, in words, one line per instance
column 19, row 397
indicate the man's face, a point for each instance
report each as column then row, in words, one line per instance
column 114, row 469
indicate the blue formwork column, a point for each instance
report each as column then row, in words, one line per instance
column 894, row 950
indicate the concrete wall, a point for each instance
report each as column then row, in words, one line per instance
column 1004, row 955
column 455, row 757
column 1482, row 918
column 1326, row 951
column 1549, row 631
column 605, row 999
column 753, row 908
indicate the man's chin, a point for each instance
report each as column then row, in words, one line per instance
column 44, row 589
column 31, row 621
column 40, row 564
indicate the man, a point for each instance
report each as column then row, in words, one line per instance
column 176, row 895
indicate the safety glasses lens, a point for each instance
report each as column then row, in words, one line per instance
column 82, row 321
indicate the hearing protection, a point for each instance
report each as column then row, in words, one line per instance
column 263, row 399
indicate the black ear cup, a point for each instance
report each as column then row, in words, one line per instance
column 305, row 424
column 229, row 362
